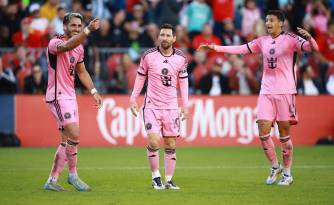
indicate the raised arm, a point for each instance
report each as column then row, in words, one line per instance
column 76, row 40
column 241, row 49
column 310, row 44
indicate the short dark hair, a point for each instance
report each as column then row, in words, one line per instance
column 278, row 13
column 70, row 15
column 168, row 26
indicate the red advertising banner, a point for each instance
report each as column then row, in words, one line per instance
column 213, row 121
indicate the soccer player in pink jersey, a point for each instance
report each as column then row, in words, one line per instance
column 165, row 68
column 65, row 57
column 276, row 102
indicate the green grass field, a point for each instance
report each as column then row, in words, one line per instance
column 207, row 176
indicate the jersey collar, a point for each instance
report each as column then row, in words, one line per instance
column 163, row 54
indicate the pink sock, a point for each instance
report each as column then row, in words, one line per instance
column 287, row 152
column 153, row 158
column 170, row 163
column 269, row 149
column 58, row 162
column 72, row 155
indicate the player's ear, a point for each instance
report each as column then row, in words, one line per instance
column 174, row 39
column 281, row 23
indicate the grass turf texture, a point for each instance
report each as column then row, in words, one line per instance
column 219, row 175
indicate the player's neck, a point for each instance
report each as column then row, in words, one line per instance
column 276, row 34
column 166, row 52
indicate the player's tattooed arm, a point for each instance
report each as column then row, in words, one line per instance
column 76, row 40
column 309, row 38
column 88, row 83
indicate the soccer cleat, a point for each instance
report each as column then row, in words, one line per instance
column 286, row 180
column 78, row 183
column 53, row 186
column 274, row 173
column 157, row 184
column 170, row 185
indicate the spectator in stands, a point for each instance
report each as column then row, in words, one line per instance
column 215, row 83
column 38, row 23
column 119, row 83
column 13, row 17
column 101, row 39
column 57, row 22
column 197, row 68
column 26, row 37
column 150, row 37
column 230, row 36
column 222, row 11
column 326, row 50
column 5, row 37
column 242, row 79
column 197, row 14
column 182, row 40
column 7, row 80
column 35, row 83
column 117, row 28
column 100, row 9
column 318, row 16
column 134, row 39
column 165, row 11
column 137, row 19
column 250, row 15
column 309, row 84
column 206, row 37
column 49, row 9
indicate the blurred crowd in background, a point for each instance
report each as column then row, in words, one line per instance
column 129, row 27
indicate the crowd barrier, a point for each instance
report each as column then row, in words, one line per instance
column 213, row 121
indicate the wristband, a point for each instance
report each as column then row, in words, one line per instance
column 93, row 91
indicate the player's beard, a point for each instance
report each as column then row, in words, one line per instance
column 165, row 45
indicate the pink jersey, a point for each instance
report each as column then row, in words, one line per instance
column 163, row 73
column 279, row 59
column 61, row 70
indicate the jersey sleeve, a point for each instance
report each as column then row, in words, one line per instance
column 82, row 54
column 183, row 69
column 254, row 46
column 300, row 43
column 53, row 45
column 142, row 70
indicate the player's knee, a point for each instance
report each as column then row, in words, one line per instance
column 170, row 143
column 153, row 144
column 74, row 136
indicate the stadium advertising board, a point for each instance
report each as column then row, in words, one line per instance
column 213, row 121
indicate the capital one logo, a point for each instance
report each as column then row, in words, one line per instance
column 205, row 121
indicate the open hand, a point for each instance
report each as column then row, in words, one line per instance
column 304, row 33
column 98, row 100
column 206, row 47
column 134, row 108
column 184, row 113
column 94, row 24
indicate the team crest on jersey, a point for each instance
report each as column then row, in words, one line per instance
column 148, row 126
column 272, row 51
column 164, row 71
column 72, row 59
column 67, row 115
